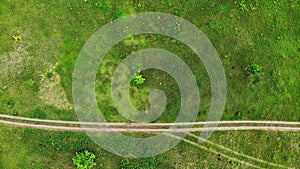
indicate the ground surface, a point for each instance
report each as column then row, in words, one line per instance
column 36, row 78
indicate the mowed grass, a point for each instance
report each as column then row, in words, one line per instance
column 244, row 32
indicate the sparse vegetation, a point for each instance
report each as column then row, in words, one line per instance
column 145, row 163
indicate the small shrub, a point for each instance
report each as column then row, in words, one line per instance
column 31, row 82
column 10, row 103
column 2, row 89
column 17, row 38
column 248, row 5
column 84, row 160
column 254, row 70
column 49, row 75
column 33, row 85
column 138, row 79
column 15, row 113
column 238, row 115
column 139, row 5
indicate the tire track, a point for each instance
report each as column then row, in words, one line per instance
column 237, row 153
column 214, row 151
column 126, row 124
column 106, row 127
column 147, row 130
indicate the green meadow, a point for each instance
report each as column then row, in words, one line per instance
column 41, row 40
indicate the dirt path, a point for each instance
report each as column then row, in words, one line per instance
column 237, row 153
column 147, row 130
column 124, row 124
column 105, row 127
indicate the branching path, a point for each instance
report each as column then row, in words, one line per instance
column 237, row 153
column 146, row 127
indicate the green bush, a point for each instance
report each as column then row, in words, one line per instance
column 10, row 103
column 138, row 79
column 31, row 82
column 84, row 160
column 49, row 75
column 254, row 70
column 17, row 38
column 2, row 89
column 248, row 5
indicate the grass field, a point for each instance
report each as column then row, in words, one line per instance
column 40, row 41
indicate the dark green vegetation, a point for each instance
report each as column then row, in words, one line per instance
column 40, row 41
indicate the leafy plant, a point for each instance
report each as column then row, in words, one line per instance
column 84, row 160
column 254, row 70
column 10, row 103
column 49, row 75
column 37, row 113
column 248, row 5
column 138, row 79
column 34, row 86
column 17, row 38
column 238, row 115
column 139, row 5
column 31, row 82
column 2, row 89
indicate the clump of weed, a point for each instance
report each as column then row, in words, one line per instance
column 238, row 115
column 139, row 5
column 30, row 82
column 38, row 113
column 254, row 71
column 17, row 38
column 15, row 113
column 248, row 5
column 138, row 79
column 33, row 85
column 84, row 160
column 2, row 89
column 135, row 41
column 49, row 75
column 10, row 103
